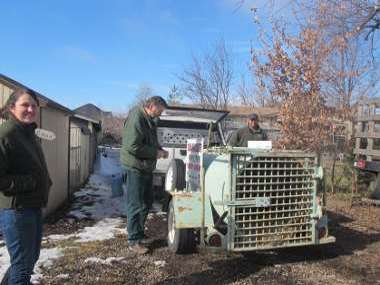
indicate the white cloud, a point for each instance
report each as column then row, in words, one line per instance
column 241, row 47
column 168, row 17
column 134, row 25
column 169, row 67
column 123, row 84
column 78, row 53
column 211, row 30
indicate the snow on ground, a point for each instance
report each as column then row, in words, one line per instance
column 45, row 261
column 4, row 260
column 107, row 261
column 93, row 201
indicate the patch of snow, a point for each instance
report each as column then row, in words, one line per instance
column 45, row 261
column 160, row 263
column 46, row 258
column 4, row 260
column 62, row 276
column 107, row 261
column 57, row 237
column 104, row 229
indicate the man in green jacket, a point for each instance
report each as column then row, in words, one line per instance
column 252, row 132
column 139, row 153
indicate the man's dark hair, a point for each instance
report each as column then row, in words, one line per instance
column 253, row 116
column 156, row 100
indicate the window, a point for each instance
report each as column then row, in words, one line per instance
column 377, row 127
column 365, row 110
column 363, row 143
column 364, row 127
column 376, row 144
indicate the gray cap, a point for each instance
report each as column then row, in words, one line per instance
column 253, row 116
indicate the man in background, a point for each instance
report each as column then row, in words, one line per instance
column 139, row 153
column 252, row 132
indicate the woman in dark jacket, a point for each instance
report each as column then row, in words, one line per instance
column 24, row 185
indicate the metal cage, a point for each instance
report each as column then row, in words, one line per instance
column 272, row 200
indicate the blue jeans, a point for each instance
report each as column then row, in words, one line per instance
column 22, row 232
column 139, row 198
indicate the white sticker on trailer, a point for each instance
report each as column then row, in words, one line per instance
column 194, row 162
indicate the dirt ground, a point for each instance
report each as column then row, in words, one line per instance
column 353, row 259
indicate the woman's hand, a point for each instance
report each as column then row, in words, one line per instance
column 12, row 185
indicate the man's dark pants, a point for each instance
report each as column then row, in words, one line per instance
column 139, row 198
column 22, row 231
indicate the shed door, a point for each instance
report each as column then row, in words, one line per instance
column 75, row 156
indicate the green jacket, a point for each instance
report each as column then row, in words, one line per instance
column 242, row 136
column 24, row 177
column 140, row 144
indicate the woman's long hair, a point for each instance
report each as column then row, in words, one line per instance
column 12, row 99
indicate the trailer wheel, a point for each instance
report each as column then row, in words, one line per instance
column 175, row 176
column 179, row 240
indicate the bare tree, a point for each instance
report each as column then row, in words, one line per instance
column 249, row 95
column 371, row 21
column 246, row 94
column 175, row 96
column 207, row 81
column 351, row 72
column 112, row 128
column 143, row 93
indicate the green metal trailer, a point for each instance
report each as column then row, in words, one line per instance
column 247, row 200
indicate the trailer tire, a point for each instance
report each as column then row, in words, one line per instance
column 175, row 176
column 179, row 240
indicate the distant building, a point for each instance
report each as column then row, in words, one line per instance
column 91, row 111
column 367, row 130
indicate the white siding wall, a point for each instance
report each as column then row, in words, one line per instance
column 85, row 170
column 56, row 154
column 4, row 94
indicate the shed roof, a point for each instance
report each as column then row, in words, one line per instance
column 81, row 117
column 11, row 83
column 92, row 111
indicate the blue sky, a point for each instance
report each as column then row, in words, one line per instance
column 101, row 51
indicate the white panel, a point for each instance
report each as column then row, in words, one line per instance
column 56, row 154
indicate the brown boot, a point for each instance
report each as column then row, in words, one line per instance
column 146, row 240
column 138, row 248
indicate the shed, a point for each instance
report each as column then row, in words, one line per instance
column 83, row 145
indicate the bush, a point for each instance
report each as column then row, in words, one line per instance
column 342, row 177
